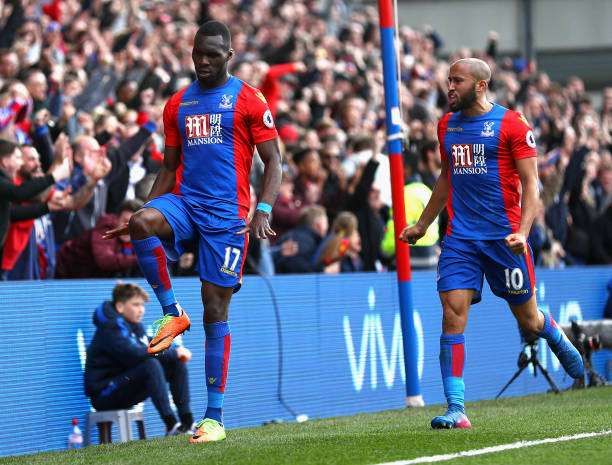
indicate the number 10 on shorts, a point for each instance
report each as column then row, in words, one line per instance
column 514, row 278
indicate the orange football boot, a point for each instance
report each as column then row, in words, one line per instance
column 166, row 329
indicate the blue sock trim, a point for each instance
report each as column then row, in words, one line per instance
column 171, row 309
column 546, row 327
column 215, row 399
column 144, row 245
column 551, row 334
column 214, row 408
column 452, row 339
column 454, row 389
column 166, row 300
column 214, row 413
column 216, row 330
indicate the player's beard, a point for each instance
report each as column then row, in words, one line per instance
column 464, row 102
column 214, row 80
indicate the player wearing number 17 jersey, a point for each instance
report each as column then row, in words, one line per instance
column 202, row 195
column 488, row 159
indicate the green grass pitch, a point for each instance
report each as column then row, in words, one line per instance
column 385, row 437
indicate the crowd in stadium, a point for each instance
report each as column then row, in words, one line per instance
column 84, row 83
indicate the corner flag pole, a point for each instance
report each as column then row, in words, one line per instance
column 394, row 149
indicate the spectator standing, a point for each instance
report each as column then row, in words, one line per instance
column 365, row 202
column 287, row 209
column 21, row 256
column 424, row 253
column 309, row 180
column 10, row 163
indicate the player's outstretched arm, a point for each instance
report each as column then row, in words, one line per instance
column 528, row 174
column 412, row 234
column 269, row 153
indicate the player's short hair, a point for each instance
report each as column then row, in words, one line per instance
column 479, row 69
column 7, row 148
column 126, row 291
column 216, row 28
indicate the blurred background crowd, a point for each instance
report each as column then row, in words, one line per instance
column 82, row 89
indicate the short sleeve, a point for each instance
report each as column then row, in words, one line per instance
column 521, row 141
column 442, row 125
column 261, row 122
column 171, row 131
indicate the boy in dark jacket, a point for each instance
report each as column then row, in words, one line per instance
column 120, row 374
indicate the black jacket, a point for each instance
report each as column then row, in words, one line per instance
column 116, row 346
column 9, row 192
column 371, row 224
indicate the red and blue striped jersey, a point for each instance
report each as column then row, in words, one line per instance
column 484, row 200
column 217, row 130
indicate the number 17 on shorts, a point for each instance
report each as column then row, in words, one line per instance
column 232, row 257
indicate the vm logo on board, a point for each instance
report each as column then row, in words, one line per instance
column 366, row 347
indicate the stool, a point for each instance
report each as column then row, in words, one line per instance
column 104, row 420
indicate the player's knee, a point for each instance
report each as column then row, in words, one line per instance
column 454, row 307
column 214, row 312
column 216, row 302
column 142, row 223
column 453, row 325
column 454, row 315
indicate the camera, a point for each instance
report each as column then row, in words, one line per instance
column 586, row 345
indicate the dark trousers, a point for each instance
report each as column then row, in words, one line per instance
column 148, row 379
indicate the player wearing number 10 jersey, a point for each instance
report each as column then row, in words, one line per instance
column 202, row 195
column 488, row 158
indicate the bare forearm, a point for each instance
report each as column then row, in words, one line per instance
column 529, row 207
column 436, row 202
column 528, row 172
column 271, row 180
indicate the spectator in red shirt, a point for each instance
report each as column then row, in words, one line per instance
column 271, row 87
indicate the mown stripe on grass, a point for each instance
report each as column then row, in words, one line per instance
column 499, row 448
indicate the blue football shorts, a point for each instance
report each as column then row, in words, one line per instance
column 221, row 252
column 463, row 263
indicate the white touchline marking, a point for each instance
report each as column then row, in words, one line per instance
column 501, row 447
